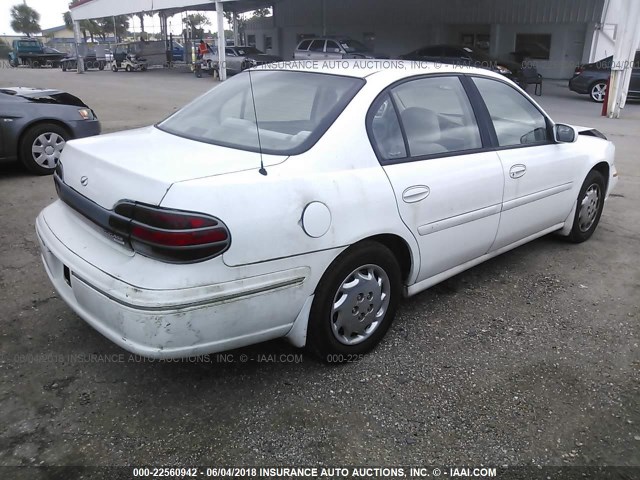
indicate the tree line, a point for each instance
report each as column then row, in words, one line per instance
column 26, row 20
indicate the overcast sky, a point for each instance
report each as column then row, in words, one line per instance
column 51, row 16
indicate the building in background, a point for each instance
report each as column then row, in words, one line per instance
column 557, row 35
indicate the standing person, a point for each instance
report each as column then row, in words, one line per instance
column 202, row 48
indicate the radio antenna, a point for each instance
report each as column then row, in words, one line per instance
column 262, row 170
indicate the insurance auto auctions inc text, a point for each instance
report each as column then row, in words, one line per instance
column 372, row 472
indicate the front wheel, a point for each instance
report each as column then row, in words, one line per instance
column 129, row 68
column 598, row 91
column 355, row 303
column 114, row 68
column 41, row 146
column 589, row 207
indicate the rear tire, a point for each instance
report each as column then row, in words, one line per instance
column 589, row 207
column 129, row 68
column 355, row 303
column 114, row 68
column 41, row 146
column 597, row 91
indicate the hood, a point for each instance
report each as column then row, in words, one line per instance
column 44, row 95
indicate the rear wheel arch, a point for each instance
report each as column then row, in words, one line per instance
column 400, row 249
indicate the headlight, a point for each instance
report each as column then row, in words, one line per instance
column 503, row 70
column 86, row 114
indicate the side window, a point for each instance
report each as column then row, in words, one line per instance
column 385, row 130
column 516, row 120
column 436, row 116
column 230, row 52
column 317, row 46
column 333, row 47
column 304, row 45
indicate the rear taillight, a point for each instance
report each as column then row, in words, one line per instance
column 170, row 235
column 579, row 69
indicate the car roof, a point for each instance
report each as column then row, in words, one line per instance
column 361, row 68
column 328, row 37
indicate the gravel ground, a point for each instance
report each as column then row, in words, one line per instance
column 529, row 359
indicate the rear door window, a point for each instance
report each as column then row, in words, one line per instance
column 436, row 116
column 317, row 46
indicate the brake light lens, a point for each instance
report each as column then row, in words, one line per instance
column 177, row 239
column 578, row 70
column 171, row 235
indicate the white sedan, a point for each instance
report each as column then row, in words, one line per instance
column 304, row 203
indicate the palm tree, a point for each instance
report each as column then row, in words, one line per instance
column 25, row 19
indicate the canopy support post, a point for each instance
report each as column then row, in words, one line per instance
column 222, row 42
column 79, row 54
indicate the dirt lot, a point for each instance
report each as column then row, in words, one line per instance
column 529, row 359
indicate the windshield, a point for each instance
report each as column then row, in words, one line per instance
column 292, row 109
column 350, row 46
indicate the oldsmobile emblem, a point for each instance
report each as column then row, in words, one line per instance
column 84, row 181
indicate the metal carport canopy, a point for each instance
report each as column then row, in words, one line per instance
column 89, row 9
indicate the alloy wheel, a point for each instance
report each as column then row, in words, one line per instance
column 598, row 92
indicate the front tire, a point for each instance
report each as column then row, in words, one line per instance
column 598, row 91
column 589, row 207
column 129, row 68
column 355, row 303
column 41, row 146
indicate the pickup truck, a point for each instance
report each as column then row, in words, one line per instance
column 29, row 51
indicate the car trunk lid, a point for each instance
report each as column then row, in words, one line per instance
column 141, row 165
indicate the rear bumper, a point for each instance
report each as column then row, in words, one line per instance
column 179, row 322
column 580, row 84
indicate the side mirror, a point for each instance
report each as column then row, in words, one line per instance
column 564, row 133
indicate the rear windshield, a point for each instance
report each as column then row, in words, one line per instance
column 292, row 111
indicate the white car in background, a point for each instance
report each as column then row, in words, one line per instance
column 354, row 187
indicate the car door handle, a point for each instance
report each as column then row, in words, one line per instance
column 416, row 193
column 517, row 171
